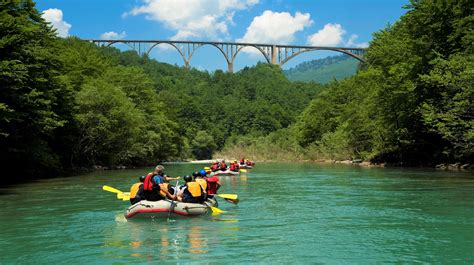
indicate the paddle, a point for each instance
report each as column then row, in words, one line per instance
column 114, row 190
column 215, row 210
column 232, row 198
column 120, row 194
column 173, row 203
column 228, row 196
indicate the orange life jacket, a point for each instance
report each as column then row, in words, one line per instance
column 134, row 189
column 195, row 189
column 202, row 182
column 164, row 186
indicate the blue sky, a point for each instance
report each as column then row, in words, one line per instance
column 348, row 23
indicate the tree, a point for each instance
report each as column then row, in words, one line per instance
column 203, row 145
column 34, row 100
column 109, row 125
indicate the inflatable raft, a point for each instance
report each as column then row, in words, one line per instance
column 166, row 208
column 224, row 173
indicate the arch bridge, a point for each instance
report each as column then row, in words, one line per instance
column 273, row 53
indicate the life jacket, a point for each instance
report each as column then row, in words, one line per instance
column 214, row 167
column 164, row 186
column 232, row 167
column 202, row 182
column 223, row 166
column 134, row 190
column 212, row 185
column 148, row 182
column 151, row 190
column 195, row 189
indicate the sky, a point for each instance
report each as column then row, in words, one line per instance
column 342, row 23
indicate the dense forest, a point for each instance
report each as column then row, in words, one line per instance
column 412, row 104
column 324, row 70
column 68, row 105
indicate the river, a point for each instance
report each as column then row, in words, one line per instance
column 303, row 213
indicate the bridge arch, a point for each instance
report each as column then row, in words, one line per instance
column 321, row 49
column 186, row 63
column 109, row 44
column 254, row 46
column 210, row 44
column 203, row 46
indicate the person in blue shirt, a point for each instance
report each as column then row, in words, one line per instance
column 155, row 183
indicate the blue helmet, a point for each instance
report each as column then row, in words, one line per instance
column 202, row 172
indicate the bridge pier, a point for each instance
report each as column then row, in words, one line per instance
column 230, row 67
column 274, row 54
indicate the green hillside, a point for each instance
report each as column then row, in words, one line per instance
column 323, row 70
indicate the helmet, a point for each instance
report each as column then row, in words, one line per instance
column 188, row 178
column 202, row 172
column 142, row 178
column 196, row 174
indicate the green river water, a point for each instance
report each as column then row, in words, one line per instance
column 303, row 214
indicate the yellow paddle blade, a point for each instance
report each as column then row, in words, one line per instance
column 120, row 194
column 243, row 170
column 228, row 196
column 216, row 210
column 114, row 190
column 124, row 196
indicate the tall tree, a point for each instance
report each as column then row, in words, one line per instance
column 33, row 99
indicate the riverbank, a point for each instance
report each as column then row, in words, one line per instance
column 361, row 163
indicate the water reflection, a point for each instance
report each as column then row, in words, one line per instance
column 163, row 240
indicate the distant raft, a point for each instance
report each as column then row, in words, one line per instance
column 224, row 173
column 166, row 208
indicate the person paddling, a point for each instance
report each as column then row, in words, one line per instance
column 192, row 193
column 213, row 183
column 155, row 186
column 136, row 191
column 202, row 182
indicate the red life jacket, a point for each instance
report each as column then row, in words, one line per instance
column 232, row 167
column 148, row 182
column 214, row 167
column 212, row 185
column 223, row 166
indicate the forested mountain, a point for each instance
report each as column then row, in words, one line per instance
column 324, row 70
column 66, row 104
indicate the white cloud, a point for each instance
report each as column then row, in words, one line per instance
column 193, row 19
column 55, row 17
column 111, row 35
column 352, row 42
column 329, row 35
column 275, row 27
